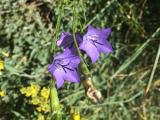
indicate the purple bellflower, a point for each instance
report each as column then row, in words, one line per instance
column 66, row 41
column 64, row 67
column 95, row 42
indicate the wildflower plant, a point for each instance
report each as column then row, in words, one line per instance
column 34, row 35
column 38, row 97
column 65, row 65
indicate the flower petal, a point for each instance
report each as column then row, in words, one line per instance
column 96, row 39
column 107, row 32
column 51, row 68
column 60, row 40
column 105, row 48
column 68, row 58
column 64, row 67
column 63, row 55
column 72, row 76
column 66, row 40
column 74, row 61
column 90, row 27
column 90, row 49
column 58, row 74
column 101, row 34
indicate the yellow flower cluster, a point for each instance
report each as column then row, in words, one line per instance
column 76, row 116
column 38, row 97
column 2, row 93
column 4, row 54
column 1, row 66
column 31, row 90
column 41, row 117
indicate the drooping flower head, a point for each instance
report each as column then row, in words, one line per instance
column 66, row 41
column 95, row 42
column 64, row 67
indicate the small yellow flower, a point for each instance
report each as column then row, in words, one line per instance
column 30, row 90
column 28, row 93
column 1, row 65
column 76, row 116
column 39, row 108
column 40, row 117
column 2, row 94
column 45, row 107
column 34, row 89
column 45, row 93
column 25, row 91
column 35, row 100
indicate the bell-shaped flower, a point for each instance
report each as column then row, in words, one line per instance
column 64, row 67
column 66, row 41
column 95, row 42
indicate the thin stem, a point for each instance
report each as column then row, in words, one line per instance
column 61, row 11
column 153, row 70
column 54, row 100
column 86, row 76
column 55, row 104
column 83, row 65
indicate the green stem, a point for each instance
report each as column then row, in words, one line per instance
column 85, row 73
column 83, row 66
column 153, row 70
column 55, row 105
column 54, row 100
column 61, row 11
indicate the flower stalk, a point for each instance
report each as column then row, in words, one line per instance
column 86, row 75
column 54, row 100
column 55, row 105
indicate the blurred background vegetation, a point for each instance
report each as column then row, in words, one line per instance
column 129, row 78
